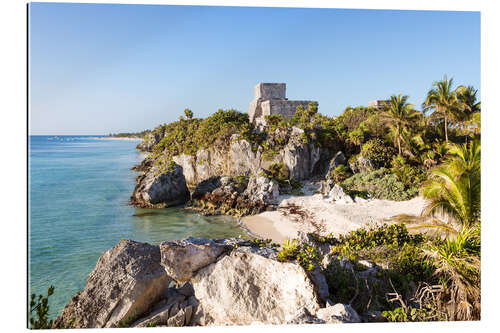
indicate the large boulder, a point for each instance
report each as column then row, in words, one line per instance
column 127, row 280
column 262, row 189
column 299, row 156
column 183, row 258
column 161, row 187
column 244, row 288
column 339, row 313
column 338, row 195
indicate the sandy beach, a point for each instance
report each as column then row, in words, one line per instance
column 317, row 214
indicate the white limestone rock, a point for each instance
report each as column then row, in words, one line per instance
column 244, row 288
column 126, row 282
column 339, row 313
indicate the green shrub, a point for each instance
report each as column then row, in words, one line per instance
column 307, row 256
column 377, row 151
column 279, row 173
column 276, row 121
column 381, row 184
column 408, row 314
column 257, row 242
column 241, row 183
column 340, row 173
column 39, row 310
column 393, row 235
column 410, row 176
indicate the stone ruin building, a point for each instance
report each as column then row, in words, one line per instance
column 379, row 104
column 270, row 99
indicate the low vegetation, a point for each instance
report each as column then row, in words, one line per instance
column 39, row 310
column 380, row 184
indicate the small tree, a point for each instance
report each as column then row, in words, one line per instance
column 188, row 113
column 40, row 306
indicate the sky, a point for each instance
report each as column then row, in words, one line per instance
column 100, row 68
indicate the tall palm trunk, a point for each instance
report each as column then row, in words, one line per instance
column 399, row 140
column 446, row 128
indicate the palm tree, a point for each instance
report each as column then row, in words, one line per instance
column 398, row 115
column 443, row 100
column 454, row 188
column 469, row 106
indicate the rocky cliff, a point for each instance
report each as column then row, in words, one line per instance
column 238, row 158
column 198, row 282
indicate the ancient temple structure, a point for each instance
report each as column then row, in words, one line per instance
column 270, row 98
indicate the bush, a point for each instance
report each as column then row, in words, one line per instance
column 307, row 256
column 377, row 151
column 381, row 185
column 410, row 176
column 39, row 306
column 278, row 172
column 393, row 235
column 340, row 173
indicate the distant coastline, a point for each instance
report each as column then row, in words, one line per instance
column 118, row 138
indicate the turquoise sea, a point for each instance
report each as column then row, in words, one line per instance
column 79, row 189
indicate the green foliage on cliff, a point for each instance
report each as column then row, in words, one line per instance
column 188, row 136
column 39, row 310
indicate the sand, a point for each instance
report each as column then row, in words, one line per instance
column 316, row 213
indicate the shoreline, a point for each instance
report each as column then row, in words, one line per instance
column 118, row 138
column 317, row 214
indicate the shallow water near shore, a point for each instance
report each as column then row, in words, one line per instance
column 79, row 189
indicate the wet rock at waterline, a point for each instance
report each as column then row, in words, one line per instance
column 126, row 282
column 161, row 187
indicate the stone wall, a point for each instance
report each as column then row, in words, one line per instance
column 282, row 107
column 270, row 91
column 270, row 98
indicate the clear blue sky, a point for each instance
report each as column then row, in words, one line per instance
column 96, row 69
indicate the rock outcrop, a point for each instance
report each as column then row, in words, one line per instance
column 339, row 313
column 338, row 195
column 219, row 282
column 183, row 258
column 227, row 195
column 262, row 189
column 161, row 188
column 239, row 158
column 175, row 309
column 126, row 282
column 150, row 140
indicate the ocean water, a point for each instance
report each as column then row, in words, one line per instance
column 79, row 189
